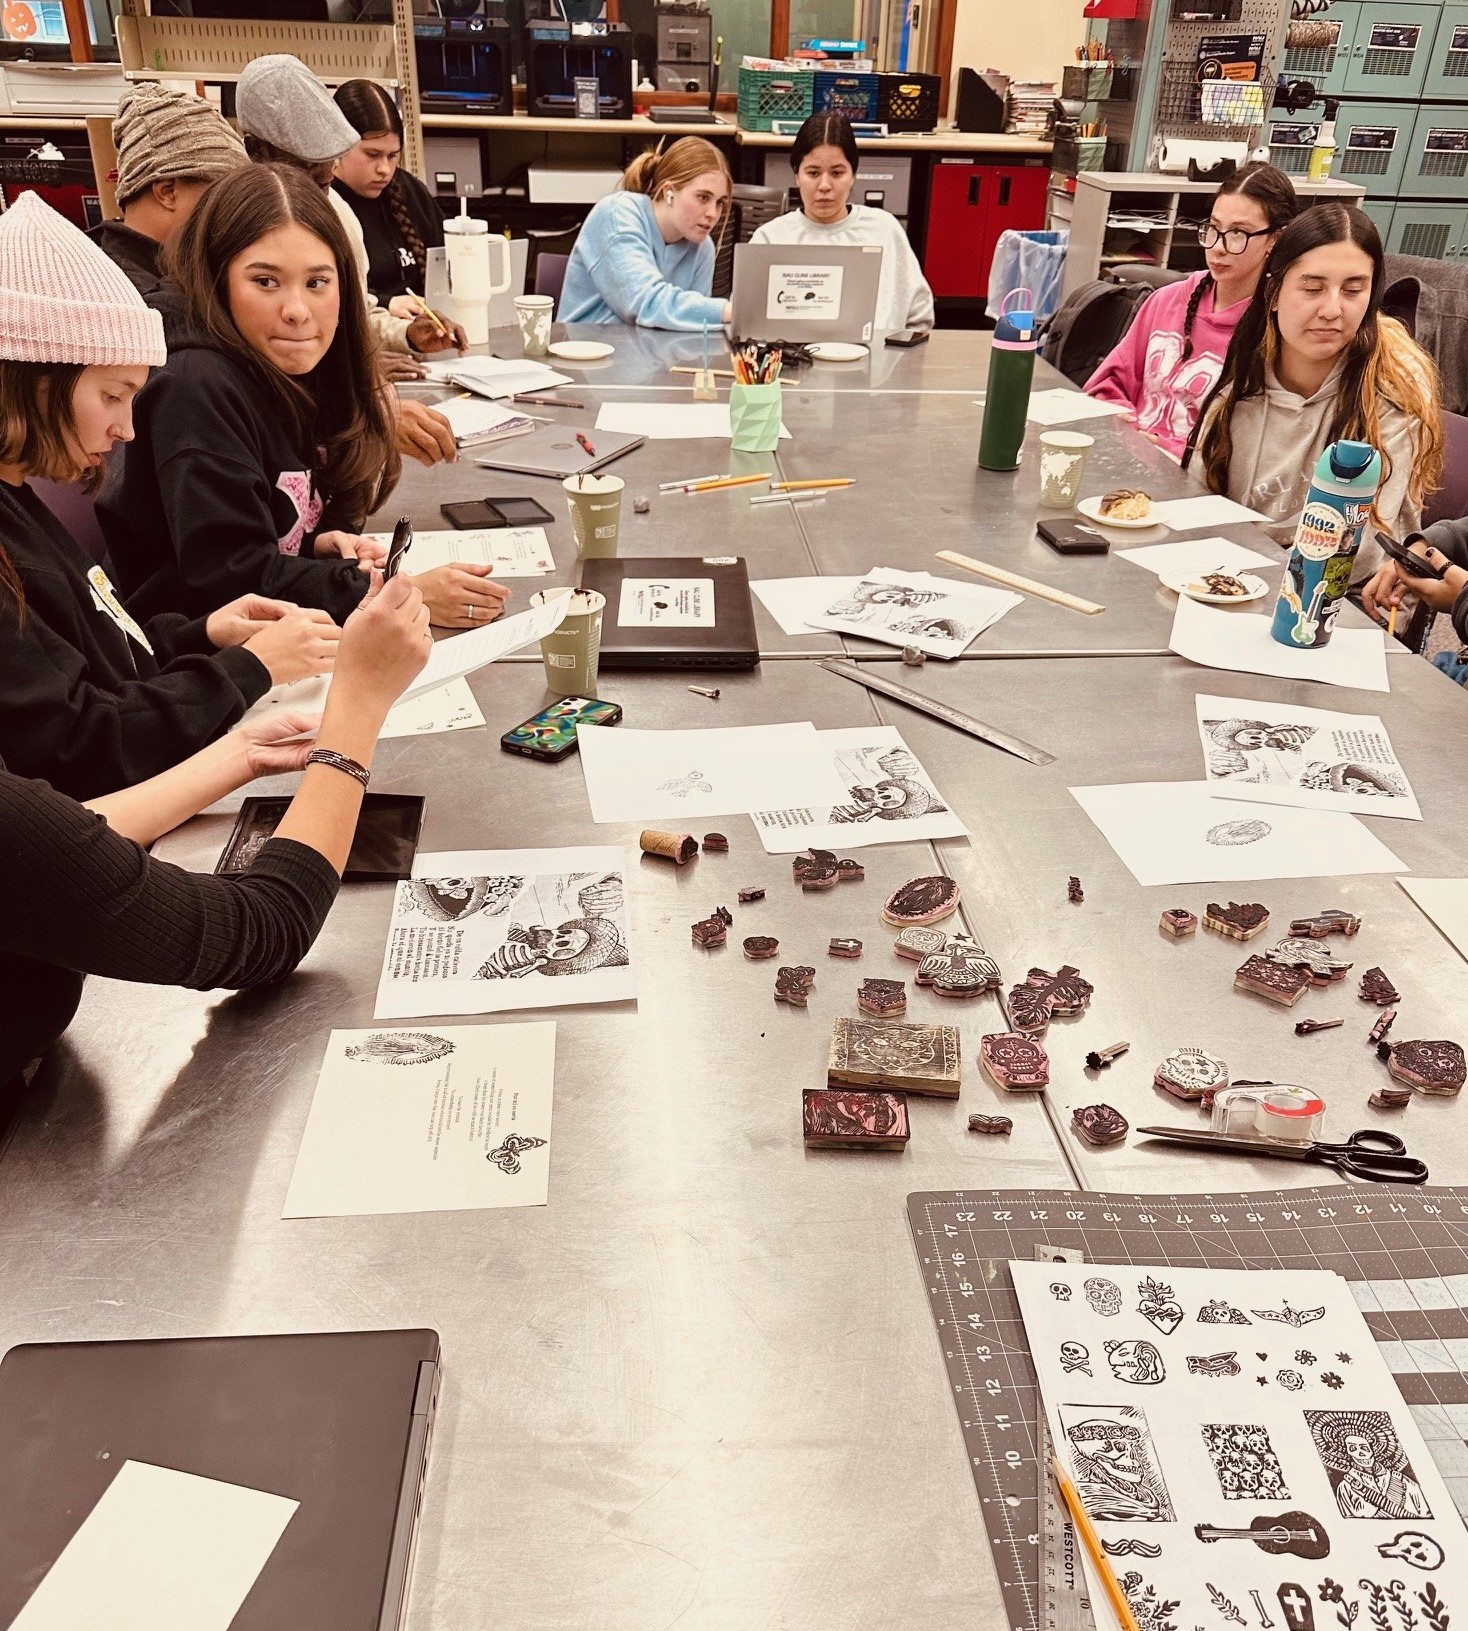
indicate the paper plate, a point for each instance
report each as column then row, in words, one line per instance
column 1091, row 509
column 837, row 351
column 581, row 350
column 1190, row 584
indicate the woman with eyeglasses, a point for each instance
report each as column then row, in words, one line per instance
column 1171, row 357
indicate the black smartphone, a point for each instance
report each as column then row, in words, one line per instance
column 907, row 337
column 1412, row 564
column 473, row 513
column 551, row 734
column 402, row 542
column 522, row 512
column 1072, row 538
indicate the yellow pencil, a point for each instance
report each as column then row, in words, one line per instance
column 730, row 481
column 805, row 486
column 1391, row 624
column 718, row 373
column 1092, row 1542
column 429, row 313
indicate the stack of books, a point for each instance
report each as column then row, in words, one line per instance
column 1031, row 107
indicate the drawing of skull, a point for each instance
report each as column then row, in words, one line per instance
column 1104, row 1296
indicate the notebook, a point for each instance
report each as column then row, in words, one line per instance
column 672, row 612
column 476, row 422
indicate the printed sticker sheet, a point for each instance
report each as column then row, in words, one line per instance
column 1243, row 1450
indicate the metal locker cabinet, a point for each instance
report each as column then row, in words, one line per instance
column 1437, row 160
column 1392, row 49
column 1447, row 72
column 1434, row 231
column 1372, row 139
column 969, row 205
column 1381, row 211
column 1290, row 137
column 1321, row 48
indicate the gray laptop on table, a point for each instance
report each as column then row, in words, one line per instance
column 805, row 293
column 558, row 451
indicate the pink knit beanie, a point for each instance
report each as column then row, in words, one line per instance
column 63, row 300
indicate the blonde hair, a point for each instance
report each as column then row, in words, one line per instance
column 674, row 166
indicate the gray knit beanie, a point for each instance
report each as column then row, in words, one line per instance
column 168, row 135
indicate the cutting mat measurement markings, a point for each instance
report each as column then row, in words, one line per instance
column 1407, row 1260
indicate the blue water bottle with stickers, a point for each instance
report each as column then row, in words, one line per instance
column 1327, row 539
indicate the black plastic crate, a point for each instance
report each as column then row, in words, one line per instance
column 908, row 101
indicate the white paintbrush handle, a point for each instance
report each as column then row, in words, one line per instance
column 1011, row 580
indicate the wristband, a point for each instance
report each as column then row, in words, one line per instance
column 339, row 761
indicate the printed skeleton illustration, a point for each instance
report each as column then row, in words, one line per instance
column 1242, row 751
column 451, row 900
column 580, row 944
column 1115, row 1465
column 897, row 795
column 1367, row 1467
column 1245, row 1462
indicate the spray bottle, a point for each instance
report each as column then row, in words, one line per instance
column 1327, row 539
column 1011, row 368
column 1322, row 155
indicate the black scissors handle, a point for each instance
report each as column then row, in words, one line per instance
column 1373, row 1154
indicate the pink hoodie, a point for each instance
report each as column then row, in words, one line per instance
column 1143, row 373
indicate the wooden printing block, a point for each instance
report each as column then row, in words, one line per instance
column 915, row 1058
column 751, row 894
column 960, row 968
column 1099, row 1124
column 1000, row 1125
column 1191, row 1074
column 922, row 900
column 1043, row 995
column 793, row 985
column 1016, row 1063
column 1178, row 921
column 1274, row 981
column 1333, row 921
column 1236, row 921
column 840, row 947
column 884, row 999
column 757, row 947
column 1437, row 1069
column 710, row 931
column 1313, row 958
column 816, row 869
column 1073, row 891
column 1383, row 1024
column 1375, row 987
column 915, row 944
column 849, row 871
column 851, row 1119
column 715, row 841
column 1391, row 1098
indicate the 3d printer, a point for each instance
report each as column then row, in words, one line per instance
column 464, row 62
column 558, row 54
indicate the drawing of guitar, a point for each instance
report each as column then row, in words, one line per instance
column 1296, row 1533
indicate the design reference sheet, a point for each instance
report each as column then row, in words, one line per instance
column 672, row 422
column 1195, row 555
column 513, row 552
column 489, row 931
column 1177, row 832
column 889, row 799
column 1207, row 510
column 161, row 1551
column 792, row 602
column 937, row 615
column 1243, row 1450
column 1062, row 407
column 1445, row 901
column 683, row 776
column 450, row 708
column 1281, row 753
column 442, row 1120
column 1240, row 641
column 463, row 654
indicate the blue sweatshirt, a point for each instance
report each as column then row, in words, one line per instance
column 621, row 271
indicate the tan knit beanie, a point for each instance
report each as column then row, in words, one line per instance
column 62, row 300
column 168, row 135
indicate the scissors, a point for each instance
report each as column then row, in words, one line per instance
column 1369, row 1152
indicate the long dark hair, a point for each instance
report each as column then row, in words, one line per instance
column 1383, row 365
column 824, row 130
column 1274, row 193
column 341, row 411
column 372, row 112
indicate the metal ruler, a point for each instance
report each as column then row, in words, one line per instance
column 939, row 710
column 1064, row 1602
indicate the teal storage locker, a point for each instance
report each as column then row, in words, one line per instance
column 1319, row 48
column 1291, row 136
column 1391, row 49
column 1437, row 161
column 1435, row 231
column 1372, row 139
column 1447, row 73
column 1381, row 210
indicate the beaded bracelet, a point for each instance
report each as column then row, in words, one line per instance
column 339, row 761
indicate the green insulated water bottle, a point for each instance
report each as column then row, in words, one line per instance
column 1011, row 368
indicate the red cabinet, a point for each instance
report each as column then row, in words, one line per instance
column 969, row 205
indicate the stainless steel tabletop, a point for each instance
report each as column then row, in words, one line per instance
column 691, row 1389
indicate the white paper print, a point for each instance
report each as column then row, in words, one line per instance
column 438, row 1119
column 1063, row 407
column 674, row 422
column 513, row 552
column 915, row 609
column 1177, row 832
column 489, row 931
column 1282, row 753
column 889, row 799
column 792, row 602
column 1288, row 1488
column 450, row 708
column 160, row 1551
column 687, row 775
column 1445, row 901
column 1218, row 637
column 811, row 293
column 1194, row 555
column 1207, row 510
column 495, row 376
column 464, row 654
column 667, row 603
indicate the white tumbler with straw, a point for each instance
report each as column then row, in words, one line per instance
column 467, row 244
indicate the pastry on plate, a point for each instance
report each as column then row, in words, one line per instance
column 1220, row 583
column 1126, row 504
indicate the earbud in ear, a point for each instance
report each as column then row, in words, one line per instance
column 668, row 196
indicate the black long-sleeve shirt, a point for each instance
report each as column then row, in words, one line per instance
column 391, row 269
column 81, row 900
column 83, row 703
column 1450, row 538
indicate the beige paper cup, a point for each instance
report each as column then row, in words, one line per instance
column 533, row 311
column 1062, row 463
column 572, row 652
column 596, row 513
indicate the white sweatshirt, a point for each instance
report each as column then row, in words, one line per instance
column 904, row 299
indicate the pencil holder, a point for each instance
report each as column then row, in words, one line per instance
column 754, row 418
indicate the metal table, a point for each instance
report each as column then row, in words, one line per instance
column 688, row 1390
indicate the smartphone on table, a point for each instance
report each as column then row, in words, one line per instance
column 907, row 337
column 551, row 734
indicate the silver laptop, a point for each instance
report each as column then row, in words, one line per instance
column 559, row 451
column 805, row 292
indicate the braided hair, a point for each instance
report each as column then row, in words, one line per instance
column 372, row 112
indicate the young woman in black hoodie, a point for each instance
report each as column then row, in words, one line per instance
column 266, row 441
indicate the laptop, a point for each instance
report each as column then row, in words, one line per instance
column 806, row 293
column 556, row 451
column 501, row 305
column 340, row 1422
column 674, row 612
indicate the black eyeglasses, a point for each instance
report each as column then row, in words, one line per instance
column 1234, row 239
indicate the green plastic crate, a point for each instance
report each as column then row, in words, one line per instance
column 768, row 94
